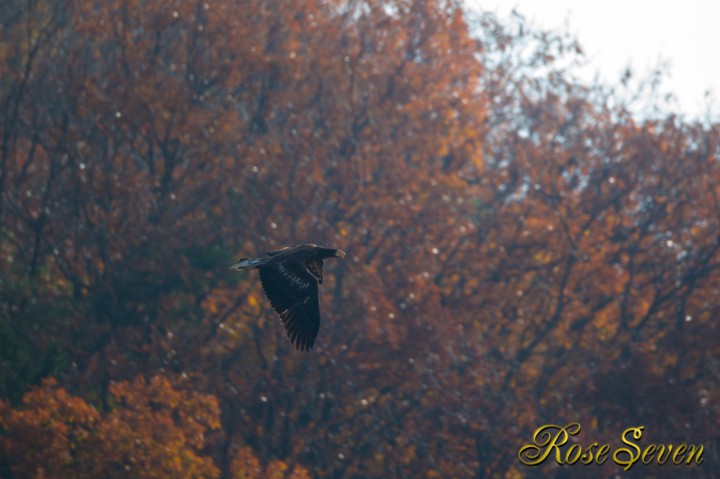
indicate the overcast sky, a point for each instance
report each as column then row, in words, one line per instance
column 615, row 33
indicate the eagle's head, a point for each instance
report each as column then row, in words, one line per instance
column 331, row 252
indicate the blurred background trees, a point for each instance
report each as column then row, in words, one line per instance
column 521, row 250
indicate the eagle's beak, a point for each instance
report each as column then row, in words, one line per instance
column 340, row 254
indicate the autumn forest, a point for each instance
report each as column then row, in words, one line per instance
column 521, row 248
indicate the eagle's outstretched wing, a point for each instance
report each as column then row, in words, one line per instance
column 277, row 251
column 293, row 294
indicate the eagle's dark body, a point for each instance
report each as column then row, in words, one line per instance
column 290, row 279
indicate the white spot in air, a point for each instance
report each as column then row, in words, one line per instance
column 273, row 225
column 688, row 318
column 669, row 243
column 364, row 402
column 118, row 114
column 435, row 251
column 82, row 166
column 611, row 179
column 391, row 315
column 341, row 455
column 254, row 169
column 703, row 397
column 176, row 14
column 263, row 398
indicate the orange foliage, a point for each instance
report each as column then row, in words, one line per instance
column 245, row 465
column 153, row 430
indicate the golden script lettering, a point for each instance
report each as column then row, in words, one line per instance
column 548, row 442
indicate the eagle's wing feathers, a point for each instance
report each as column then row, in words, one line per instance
column 293, row 294
column 277, row 251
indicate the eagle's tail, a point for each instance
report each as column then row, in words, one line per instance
column 248, row 263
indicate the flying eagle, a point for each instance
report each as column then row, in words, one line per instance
column 290, row 278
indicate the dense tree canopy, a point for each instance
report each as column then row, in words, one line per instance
column 521, row 249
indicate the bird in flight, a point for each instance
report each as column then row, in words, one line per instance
column 290, row 279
